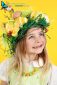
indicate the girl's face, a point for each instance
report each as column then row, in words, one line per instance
column 35, row 41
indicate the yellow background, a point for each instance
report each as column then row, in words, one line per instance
column 50, row 8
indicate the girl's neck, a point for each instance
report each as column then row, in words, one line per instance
column 27, row 61
column 31, row 57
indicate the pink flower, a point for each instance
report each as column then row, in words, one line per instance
column 16, row 14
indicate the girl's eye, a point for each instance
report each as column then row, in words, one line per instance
column 31, row 37
column 41, row 34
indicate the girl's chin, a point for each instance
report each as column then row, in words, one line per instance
column 38, row 51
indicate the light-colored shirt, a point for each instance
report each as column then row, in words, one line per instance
column 49, row 79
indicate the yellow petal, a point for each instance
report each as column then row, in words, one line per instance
column 22, row 20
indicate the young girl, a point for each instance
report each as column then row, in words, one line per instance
column 30, row 64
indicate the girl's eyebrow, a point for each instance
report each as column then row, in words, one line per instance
column 29, row 35
column 33, row 33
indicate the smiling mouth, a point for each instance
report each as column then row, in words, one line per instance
column 37, row 46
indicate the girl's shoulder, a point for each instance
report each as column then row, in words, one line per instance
column 54, row 69
column 4, row 66
column 6, row 63
column 54, row 75
column 54, row 72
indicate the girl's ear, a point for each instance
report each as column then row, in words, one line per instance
column 3, row 82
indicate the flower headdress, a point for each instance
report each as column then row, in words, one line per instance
column 18, row 24
column 38, row 21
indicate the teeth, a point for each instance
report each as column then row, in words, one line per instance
column 37, row 46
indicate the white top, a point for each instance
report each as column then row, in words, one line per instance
column 4, row 66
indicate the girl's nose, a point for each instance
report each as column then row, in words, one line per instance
column 37, row 40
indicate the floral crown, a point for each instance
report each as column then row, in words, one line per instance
column 18, row 24
column 38, row 21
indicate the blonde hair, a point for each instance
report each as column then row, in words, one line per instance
column 20, row 52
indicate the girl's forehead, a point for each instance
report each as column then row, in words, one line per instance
column 33, row 30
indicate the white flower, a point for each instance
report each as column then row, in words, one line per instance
column 43, row 15
column 46, row 17
column 8, row 8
